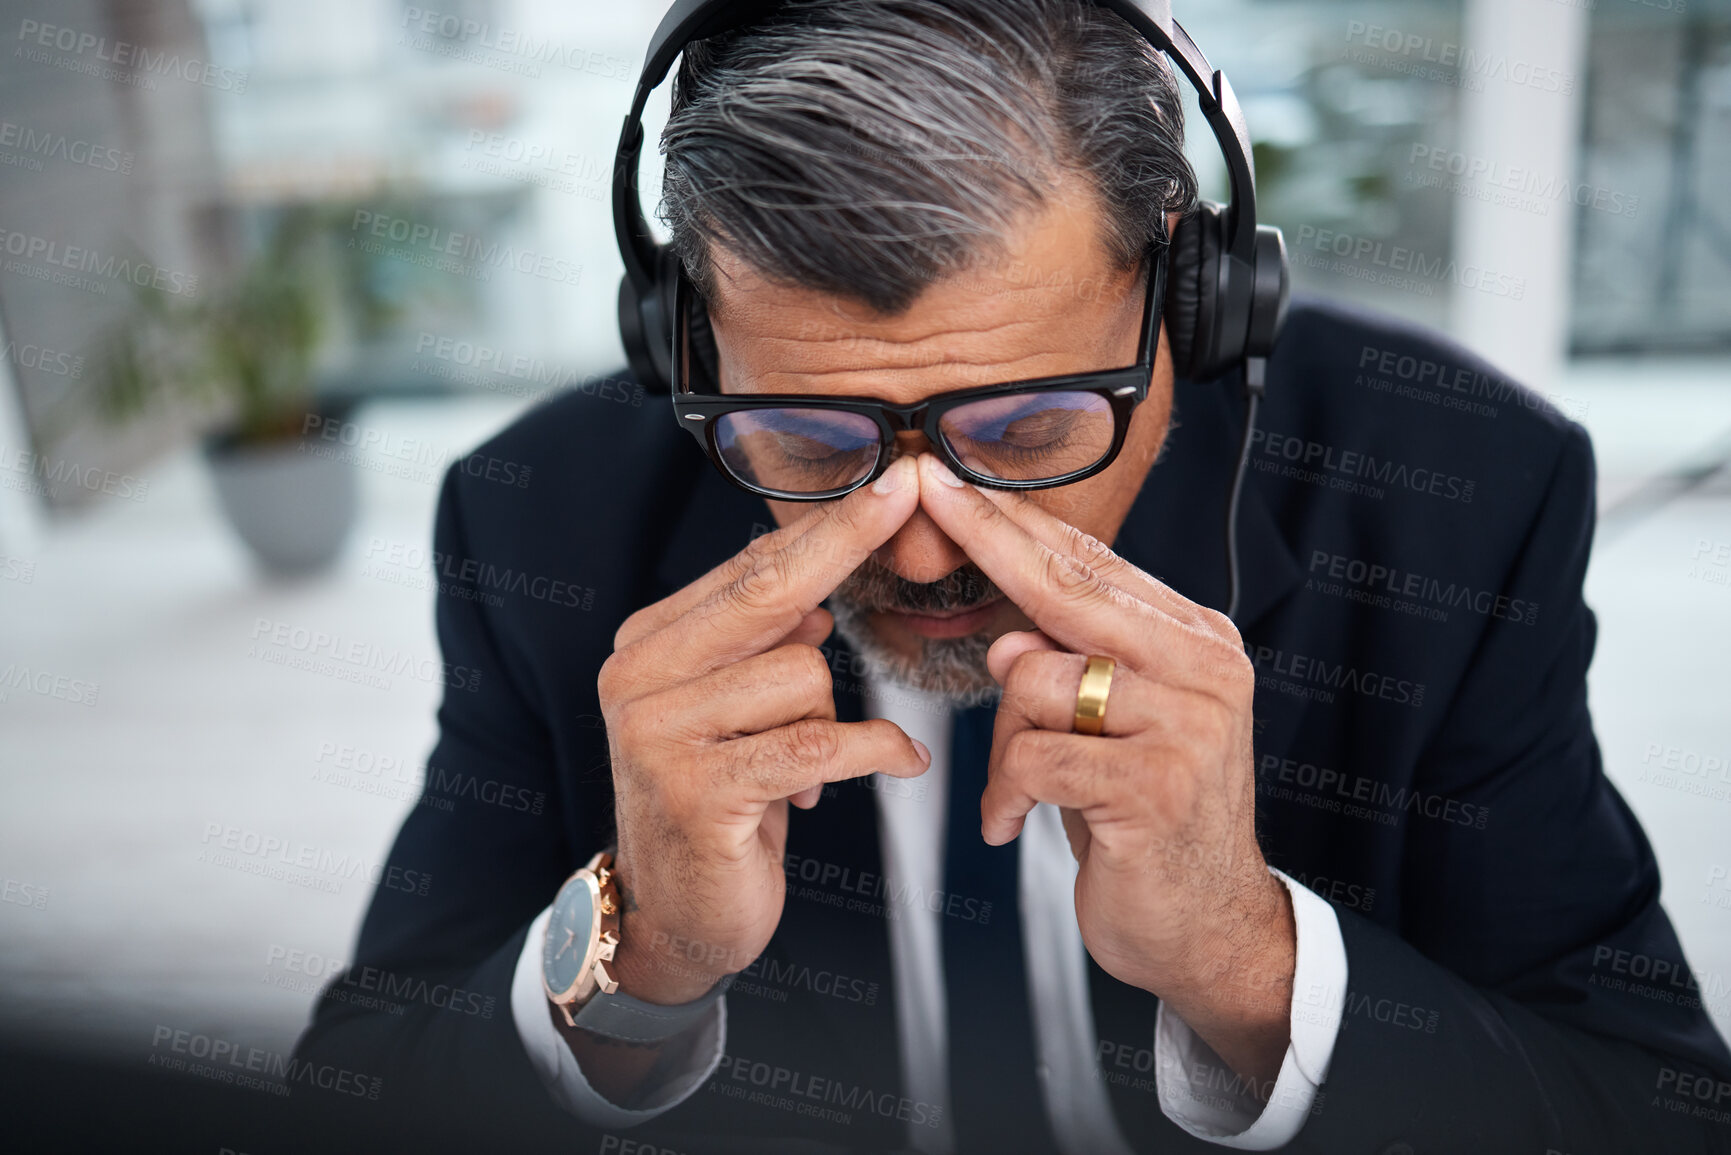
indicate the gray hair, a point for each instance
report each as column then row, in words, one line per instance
column 866, row 147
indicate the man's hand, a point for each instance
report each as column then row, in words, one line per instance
column 719, row 711
column 1173, row 894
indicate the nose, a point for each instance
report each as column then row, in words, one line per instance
column 919, row 551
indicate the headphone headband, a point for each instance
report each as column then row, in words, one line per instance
column 1228, row 291
column 690, row 20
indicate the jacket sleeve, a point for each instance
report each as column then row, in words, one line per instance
column 426, row 1002
column 1536, row 997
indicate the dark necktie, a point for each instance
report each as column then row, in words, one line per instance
column 995, row 1099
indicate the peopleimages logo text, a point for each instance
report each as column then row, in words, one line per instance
column 1372, row 791
column 56, row 254
column 1470, row 62
column 34, row 35
column 78, row 691
column 1358, row 466
column 1377, row 254
column 1434, row 380
column 515, row 42
column 362, row 655
column 1542, row 187
column 43, row 144
column 1325, row 676
column 229, row 1062
column 468, row 252
column 291, row 853
column 1375, row 580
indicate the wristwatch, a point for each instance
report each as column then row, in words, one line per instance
column 582, row 937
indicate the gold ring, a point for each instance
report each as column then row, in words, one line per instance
column 1091, row 695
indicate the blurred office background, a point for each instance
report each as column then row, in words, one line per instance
column 390, row 223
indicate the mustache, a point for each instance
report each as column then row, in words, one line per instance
column 873, row 588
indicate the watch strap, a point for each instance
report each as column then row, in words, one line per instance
column 620, row 1016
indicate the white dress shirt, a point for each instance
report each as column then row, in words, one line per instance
column 1194, row 1088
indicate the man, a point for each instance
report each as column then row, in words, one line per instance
column 1341, row 874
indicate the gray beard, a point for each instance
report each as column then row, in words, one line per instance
column 952, row 668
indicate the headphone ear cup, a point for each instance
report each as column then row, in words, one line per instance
column 1271, row 293
column 636, row 342
column 659, row 323
column 646, row 325
column 1192, row 291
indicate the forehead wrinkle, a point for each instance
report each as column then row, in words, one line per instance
column 894, row 345
column 788, row 356
column 882, row 381
column 971, row 289
column 788, row 363
column 854, row 334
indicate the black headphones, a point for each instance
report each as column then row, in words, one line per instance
column 1227, row 284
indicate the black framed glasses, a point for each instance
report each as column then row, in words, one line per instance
column 1031, row 434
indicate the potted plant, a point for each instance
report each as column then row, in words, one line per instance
column 246, row 348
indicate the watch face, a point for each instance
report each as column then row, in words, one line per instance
column 570, row 930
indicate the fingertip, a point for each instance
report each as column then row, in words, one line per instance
column 924, row 752
column 1007, row 647
column 812, row 630
column 932, row 466
column 902, row 475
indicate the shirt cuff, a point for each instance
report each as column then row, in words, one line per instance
column 557, row 1067
column 1206, row 1098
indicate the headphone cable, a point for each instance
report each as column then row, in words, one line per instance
column 1255, row 377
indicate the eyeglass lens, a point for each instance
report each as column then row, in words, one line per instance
column 798, row 450
column 1029, row 436
column 1018, row 437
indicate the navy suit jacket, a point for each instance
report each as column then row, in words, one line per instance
column 1415, row 531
